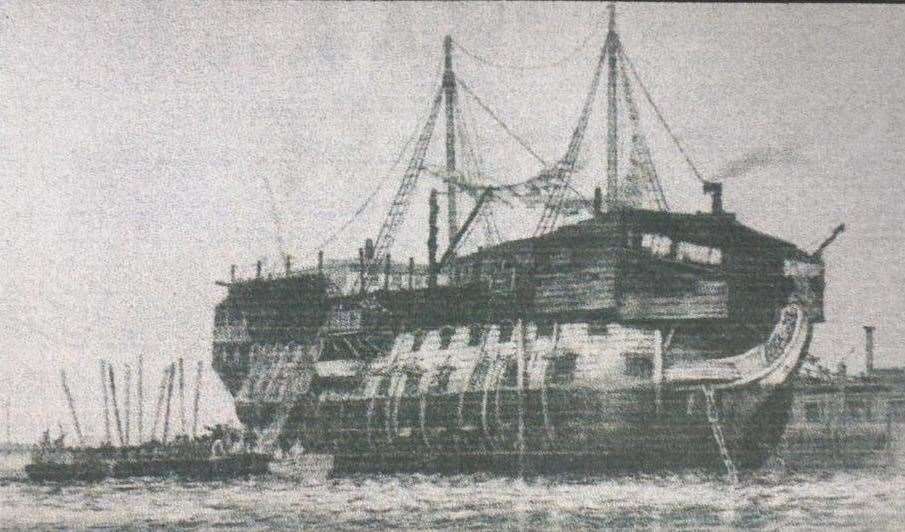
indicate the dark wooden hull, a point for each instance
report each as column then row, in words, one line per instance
column 582, row 432
column 78, row 472
column 233, row 466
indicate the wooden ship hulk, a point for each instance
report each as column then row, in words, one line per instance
column 634, row 338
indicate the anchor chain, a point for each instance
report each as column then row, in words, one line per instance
column 713, row 418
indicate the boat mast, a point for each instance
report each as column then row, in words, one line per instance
column 195, row 401
column 161, row 390
column 612, row 114
column 107, row 437
column 72, row 411
column 141, row 397
column 449, row 94
column 128, row 399
column 119, row 425
column 181, row 397
column 166, row 417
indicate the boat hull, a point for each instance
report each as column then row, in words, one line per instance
column 575, row 399
column 231, row 466
column 583, row 432
column 78, row 472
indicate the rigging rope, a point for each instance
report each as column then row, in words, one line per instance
column 499, row 121
column 639, row 144
column 565, row 59
column 389, row 173
column 650, row 100
column 364, row 205
column 470, row 148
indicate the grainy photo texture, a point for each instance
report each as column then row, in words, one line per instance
column 451, row 265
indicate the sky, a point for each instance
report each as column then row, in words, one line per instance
column 146, row 146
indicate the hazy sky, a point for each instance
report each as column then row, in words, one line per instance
column 138, row 141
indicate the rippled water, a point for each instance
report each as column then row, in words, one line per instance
column 827, row 500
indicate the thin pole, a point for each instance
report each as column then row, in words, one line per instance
column 128, row 401
column 161, row 389
column 181, row 397
column 612, row 116
column 449, row 92
column 119, row 425
column 72, row 411
column 107, row 437
column 197, row 397
column 166, row 417
column 141, row 398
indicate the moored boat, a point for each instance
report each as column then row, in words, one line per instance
column 634, row 338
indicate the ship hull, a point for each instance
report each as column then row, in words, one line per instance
column 584, row 403
column 606, row 433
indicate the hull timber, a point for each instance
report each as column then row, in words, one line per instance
column 612, row 317
column 591, row 399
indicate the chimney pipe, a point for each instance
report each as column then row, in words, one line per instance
column 869, row 349
column 369, row 249
column 598, row 201
column 716, row 196
column 258, row 270
column 232, row 273
column 320, row 261
column 288, row 264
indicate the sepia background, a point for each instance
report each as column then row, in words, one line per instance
column 145, row 147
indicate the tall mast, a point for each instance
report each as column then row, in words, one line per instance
column 72, row 411
column 612, row 114
column 161, row 390
column 119, row 425
column 181, row 397
column 128, row 399
column 106, row 404
column 449, row 93
column 141, row 397
column 195, row 401
column 166, row 417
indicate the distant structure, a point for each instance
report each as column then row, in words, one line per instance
column 841, row 420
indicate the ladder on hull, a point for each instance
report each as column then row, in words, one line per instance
column 717, row 430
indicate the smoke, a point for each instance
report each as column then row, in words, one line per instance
column 764, row 157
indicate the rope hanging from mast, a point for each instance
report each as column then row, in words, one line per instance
column 389, row 173
column 502, row 124
column 540, row 66
column 656, row 109
column 640, row 148
column 562, row 173
column 398, row 208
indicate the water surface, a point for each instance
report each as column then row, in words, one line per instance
column 863, row 500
